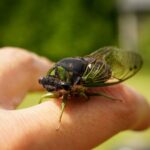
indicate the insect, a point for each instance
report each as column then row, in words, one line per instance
column 73, row 76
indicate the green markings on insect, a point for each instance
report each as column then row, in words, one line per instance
column 63, row 104
column 48, row 95
column 104, row 67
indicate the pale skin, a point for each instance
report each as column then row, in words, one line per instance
column 85, row 124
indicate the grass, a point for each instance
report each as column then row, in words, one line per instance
column 141, row 83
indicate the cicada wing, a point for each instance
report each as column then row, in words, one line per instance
column 123, row 65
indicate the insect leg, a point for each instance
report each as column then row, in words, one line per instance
column 84, row 95
column 104, row 95
column 63, row 105
column 78, row 78
column 48, row 95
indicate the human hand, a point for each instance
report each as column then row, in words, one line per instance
column 85, row 124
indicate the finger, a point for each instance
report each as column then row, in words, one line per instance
column 86, row 124
column 20, row 70
column 136, row 104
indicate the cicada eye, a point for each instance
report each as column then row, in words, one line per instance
column 61, row 72
column 57, row 71
column 52, row 73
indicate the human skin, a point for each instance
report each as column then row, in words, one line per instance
column 85, row 124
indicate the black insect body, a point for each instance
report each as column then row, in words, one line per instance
column 73, row 69
column 104, row 67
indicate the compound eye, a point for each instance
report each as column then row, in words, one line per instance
column 52, row 72
column 61, row 73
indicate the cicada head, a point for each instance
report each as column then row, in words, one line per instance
column 56, row 79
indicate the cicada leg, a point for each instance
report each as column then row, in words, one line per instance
column 85, row 96
column 104, row 95
column 48, row 95
column 63, row 105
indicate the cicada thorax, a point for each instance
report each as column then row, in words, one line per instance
column 85, row 69
column 74, row 67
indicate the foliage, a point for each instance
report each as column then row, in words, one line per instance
column 58, row 28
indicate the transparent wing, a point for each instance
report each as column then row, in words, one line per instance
column 120, row 64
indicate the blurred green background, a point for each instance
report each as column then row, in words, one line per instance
column 58, row 28
column 62, row 28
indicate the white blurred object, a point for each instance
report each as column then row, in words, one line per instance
column 129, row 11
column 134, row 5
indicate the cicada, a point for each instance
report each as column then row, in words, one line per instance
column 74, row 75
